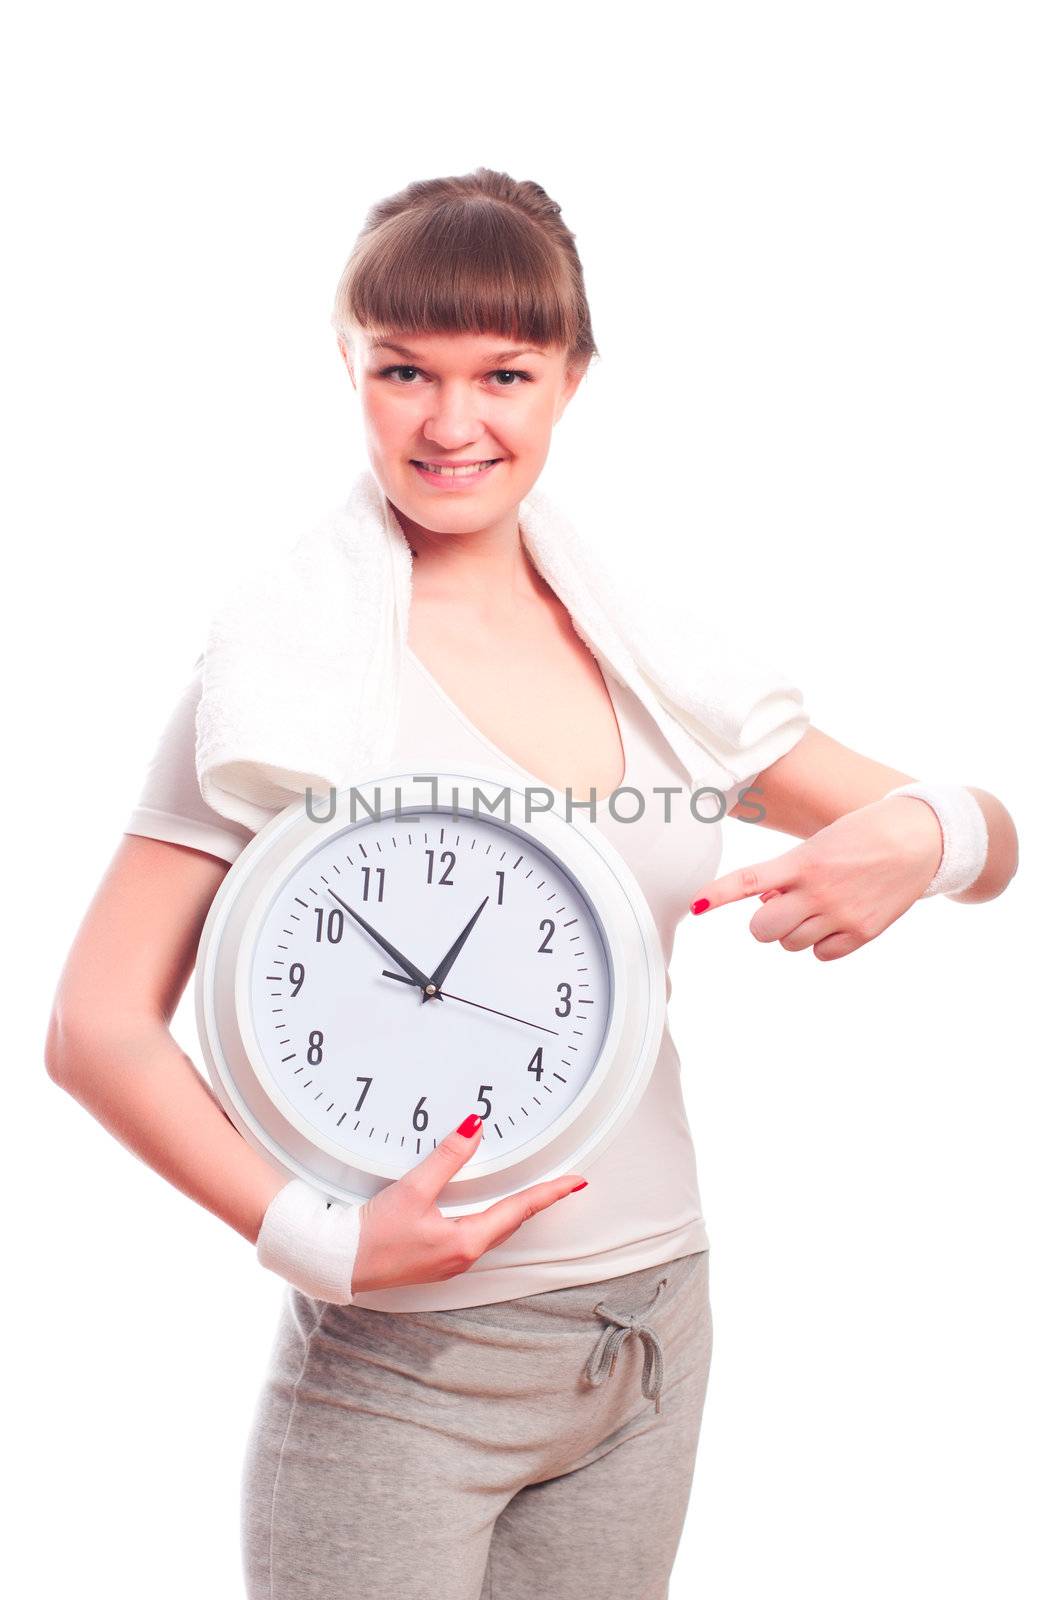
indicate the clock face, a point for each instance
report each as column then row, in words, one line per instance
column 346, row 1037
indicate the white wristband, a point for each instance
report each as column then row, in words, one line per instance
column 963, row 830
column 311, row 1241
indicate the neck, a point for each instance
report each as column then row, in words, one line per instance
column 487, row 569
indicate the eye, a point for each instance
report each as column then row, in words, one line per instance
column 500, row 372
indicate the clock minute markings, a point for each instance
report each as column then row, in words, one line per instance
column 581, row 1015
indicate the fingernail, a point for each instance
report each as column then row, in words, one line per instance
column 697, row 906
column 470, row 1125
column 576, row 1186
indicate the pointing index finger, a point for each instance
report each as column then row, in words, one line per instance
column 742, row 883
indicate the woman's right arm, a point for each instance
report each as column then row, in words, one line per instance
column 109, row 1042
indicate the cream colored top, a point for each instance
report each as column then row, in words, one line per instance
column 642, row 1206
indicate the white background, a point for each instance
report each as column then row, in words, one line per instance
column 822, row 248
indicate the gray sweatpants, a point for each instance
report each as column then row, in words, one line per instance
column 532, row 1449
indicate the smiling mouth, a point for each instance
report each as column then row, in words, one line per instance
column 457, row 472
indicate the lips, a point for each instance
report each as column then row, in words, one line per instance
column 447, row 479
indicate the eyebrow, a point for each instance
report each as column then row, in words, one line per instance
column 501, row 355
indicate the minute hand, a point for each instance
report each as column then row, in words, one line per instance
column 451, row 956
column 396, row 955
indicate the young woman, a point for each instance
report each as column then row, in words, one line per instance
column 511, row 1403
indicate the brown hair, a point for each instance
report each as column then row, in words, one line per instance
column 480, row 253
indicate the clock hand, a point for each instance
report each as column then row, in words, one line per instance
column 447, row 994
column 439, row 975
column 415, row 973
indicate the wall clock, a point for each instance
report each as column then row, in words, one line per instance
column 375, row 968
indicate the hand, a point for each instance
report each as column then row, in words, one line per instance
column 448, row 994
column 842, row 887
column 405, row 1238
column 439, row 976
column 396, row 955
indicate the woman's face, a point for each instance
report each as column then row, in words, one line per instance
column 457, row 399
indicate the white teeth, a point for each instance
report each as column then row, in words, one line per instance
column 457, row 472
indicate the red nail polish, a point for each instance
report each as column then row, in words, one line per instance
column 576, row 1186
column 470, row 1125
column 698, row 906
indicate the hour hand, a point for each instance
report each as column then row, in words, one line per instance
column 396, row 955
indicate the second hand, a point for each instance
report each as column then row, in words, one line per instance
column 447, row 995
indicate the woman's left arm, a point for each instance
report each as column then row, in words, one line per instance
column 866, row 858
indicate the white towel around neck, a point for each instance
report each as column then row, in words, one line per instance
column 301, row 673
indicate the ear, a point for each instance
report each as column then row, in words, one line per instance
column 573, row 378
column 346, row 359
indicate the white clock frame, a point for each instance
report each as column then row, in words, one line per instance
column 581, row 1133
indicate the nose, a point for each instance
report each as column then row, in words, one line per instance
column 452, row 421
